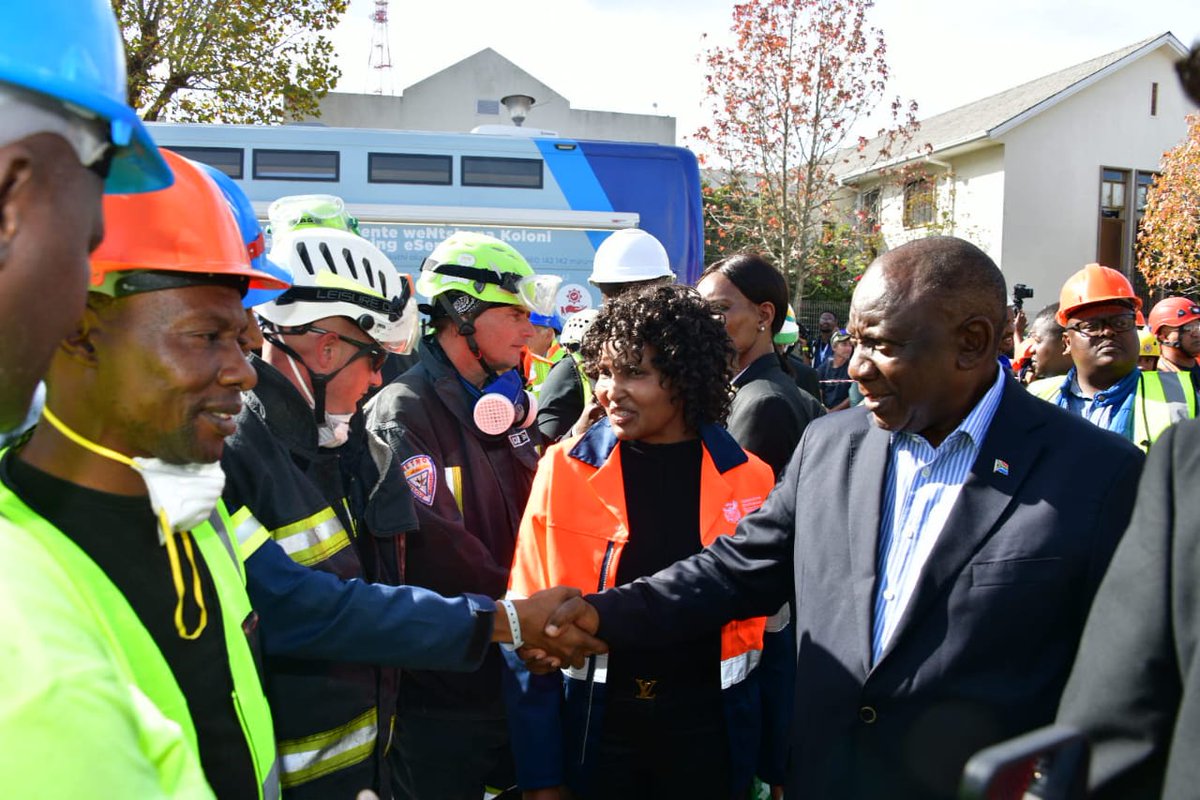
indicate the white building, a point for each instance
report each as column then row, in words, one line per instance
column 1045, row 177
column 469, row 93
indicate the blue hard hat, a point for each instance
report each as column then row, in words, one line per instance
column 71, row 50
column 547, row 321
column 252, row 235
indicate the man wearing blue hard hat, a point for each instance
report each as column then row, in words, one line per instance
column 72, row 718
column 544, row 350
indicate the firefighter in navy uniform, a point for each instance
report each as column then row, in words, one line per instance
column 304, row 467
column 460, row 422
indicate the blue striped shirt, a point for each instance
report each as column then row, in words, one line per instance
column 920, row 488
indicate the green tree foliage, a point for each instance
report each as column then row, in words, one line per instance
column 1169, row 236
column 247, row 61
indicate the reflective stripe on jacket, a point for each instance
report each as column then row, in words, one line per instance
column 143, row 661
column 1161, row 400
column 573, row 533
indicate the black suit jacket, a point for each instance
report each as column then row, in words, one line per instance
column 769, row 412
column 1135, row 688
column 986, row 642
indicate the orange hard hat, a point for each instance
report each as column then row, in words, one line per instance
column 185, row 228
column 1173, row 312
column 1024, row 351
column 1094, row 284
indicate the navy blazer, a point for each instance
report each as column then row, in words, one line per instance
column 985, row 644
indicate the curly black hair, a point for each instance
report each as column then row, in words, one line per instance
column 692, row 352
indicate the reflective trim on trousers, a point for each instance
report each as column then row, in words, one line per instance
column 303, row 760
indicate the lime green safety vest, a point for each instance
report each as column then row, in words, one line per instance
column 136, row 652
column 1163, row 398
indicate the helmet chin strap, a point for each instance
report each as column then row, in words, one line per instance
column 466, row 330
column 320, row 381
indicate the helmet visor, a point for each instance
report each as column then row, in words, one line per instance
column 310, row 210
column 397, row 333
column 538, row 293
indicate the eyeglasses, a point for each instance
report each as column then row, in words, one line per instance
column 1092, row 328
column 369, row 350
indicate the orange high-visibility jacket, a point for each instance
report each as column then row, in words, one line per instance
column 574, row 531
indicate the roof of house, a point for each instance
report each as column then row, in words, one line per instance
column 993, row 116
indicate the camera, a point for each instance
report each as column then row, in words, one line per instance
column 1021, row 293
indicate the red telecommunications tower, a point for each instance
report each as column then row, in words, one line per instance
column 381, row 51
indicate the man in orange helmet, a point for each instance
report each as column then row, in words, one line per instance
column 1175, row 322
column 1098, row 310
column 120, row 479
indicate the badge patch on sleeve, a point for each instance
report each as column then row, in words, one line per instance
column 421, row 477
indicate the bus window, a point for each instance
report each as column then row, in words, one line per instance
column 295, row 165
column 227, row 159
column 512, row 173
column 409, row 168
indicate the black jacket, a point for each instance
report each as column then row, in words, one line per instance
column 560, row 401
column 1135, row 687
column 806, row 377
column 769, row 413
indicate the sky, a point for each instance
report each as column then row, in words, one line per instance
column 642, row 56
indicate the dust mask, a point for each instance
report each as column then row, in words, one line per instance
column 182, row 495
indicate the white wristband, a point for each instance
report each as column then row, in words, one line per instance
column 514, row 623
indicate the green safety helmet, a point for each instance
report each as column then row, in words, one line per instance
column 487, row 269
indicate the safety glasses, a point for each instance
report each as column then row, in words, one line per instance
column 370, row 350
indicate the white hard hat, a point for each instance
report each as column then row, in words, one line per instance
column 630, row 255
column 340, row 274
column 577, row 326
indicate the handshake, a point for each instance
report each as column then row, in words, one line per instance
column 556, row 627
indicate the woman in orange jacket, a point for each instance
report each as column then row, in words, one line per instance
column 654, row 481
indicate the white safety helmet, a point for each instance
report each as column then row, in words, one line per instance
column 576, row 327
column 630, row 255
column 337, row 273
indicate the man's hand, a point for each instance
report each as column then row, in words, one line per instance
column 568, row 644
column 573, row 612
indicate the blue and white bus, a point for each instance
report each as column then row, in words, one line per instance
column 554, row 199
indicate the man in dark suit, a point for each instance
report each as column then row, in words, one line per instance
column 942, row 544
column 1135, row 687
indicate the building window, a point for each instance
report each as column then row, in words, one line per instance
column 1114, row 232
column 919, row 203
column 409, row 168
column 868, row 210
column 1154, row 99
column 296, row 165
column 1144, row 179
column 514, row 173
column 490, row 108
column 227, row 159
